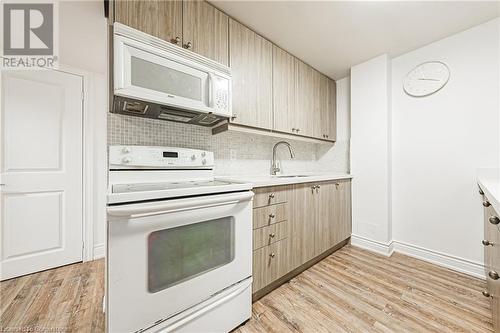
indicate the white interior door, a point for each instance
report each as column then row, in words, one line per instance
column 41, row 171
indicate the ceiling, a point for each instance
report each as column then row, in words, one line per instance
column 332, row 36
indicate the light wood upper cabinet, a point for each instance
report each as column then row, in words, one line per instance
column 305, row 99
column 327, row 109
column 195, row 25
column 250, row 58
column 159, row 18
column 207, row 29
column 284, row 91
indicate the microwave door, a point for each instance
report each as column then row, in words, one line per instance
column 148, row 76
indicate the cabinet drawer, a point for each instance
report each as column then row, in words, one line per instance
column 269, row 264
column 266, row 196
column 269, row 235
column 265, row 216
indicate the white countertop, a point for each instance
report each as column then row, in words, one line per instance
column 489, row 181
column 268, row 180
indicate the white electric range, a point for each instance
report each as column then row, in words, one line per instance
column 179, row 252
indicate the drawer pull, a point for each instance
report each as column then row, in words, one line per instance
column 272, row 235
column 494, row 220
column 493, row 275
column 272, row 216
column 486, row 293
column 486, row 242
column 271, row 196
column 486, row 203
column 272, row 255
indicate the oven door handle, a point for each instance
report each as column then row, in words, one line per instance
column 176, row 205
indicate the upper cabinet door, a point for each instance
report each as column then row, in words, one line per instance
column 332, row 111
column 160, row 18
column 250, row 58
column 327, row 109
column 284, row 91
column 306, row 99
column 170, row 21
column 206, row 30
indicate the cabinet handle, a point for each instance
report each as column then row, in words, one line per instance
column 486, row 203
column 486, row 293
column 317, row 188
column 188, row 45
column 486, row 242
column 294, row 129
column 272, row 235
column 493, row 275
column 176, row 40
column 481, row 191
column 271, row 196
column 234, row 116
column 272, row 255
column 272, row 216
column 298, row 130
column 494, row 220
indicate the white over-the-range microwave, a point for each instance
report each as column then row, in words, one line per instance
column 155, row 79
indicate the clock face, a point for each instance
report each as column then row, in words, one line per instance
column 426, row 79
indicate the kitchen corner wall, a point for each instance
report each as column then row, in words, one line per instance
column 240, row 153
column 430, row 147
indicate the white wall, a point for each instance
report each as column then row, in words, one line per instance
column 82, row 46
column 427, row 174
column 439, row 141
column 370, row 153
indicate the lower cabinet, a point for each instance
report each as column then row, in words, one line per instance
column 491, row 244
column 296, row 223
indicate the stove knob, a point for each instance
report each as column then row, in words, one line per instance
column 125, row 150
column 204, row 161
column 193, row 157
column 126, row 160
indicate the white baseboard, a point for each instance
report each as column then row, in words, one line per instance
column 99, row 251
column 384, row 249
column 455, row 263
column 445, row 260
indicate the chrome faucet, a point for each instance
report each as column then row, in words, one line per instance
column 274, row 164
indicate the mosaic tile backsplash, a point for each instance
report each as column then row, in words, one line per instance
column 235, row 153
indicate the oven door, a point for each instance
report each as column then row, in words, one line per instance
column 164, row 257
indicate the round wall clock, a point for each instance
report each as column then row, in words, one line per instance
column 426, row 79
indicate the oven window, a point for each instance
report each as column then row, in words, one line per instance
column 164, row 79
column 182, row 253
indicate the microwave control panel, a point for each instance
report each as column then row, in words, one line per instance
column 221, row 95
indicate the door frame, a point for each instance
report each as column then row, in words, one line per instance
column 90, row 203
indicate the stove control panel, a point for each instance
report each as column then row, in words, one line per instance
column 153, row 157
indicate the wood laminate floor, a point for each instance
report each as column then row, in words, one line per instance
column 357, row 291
column 64, row 299
column 350, row 291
